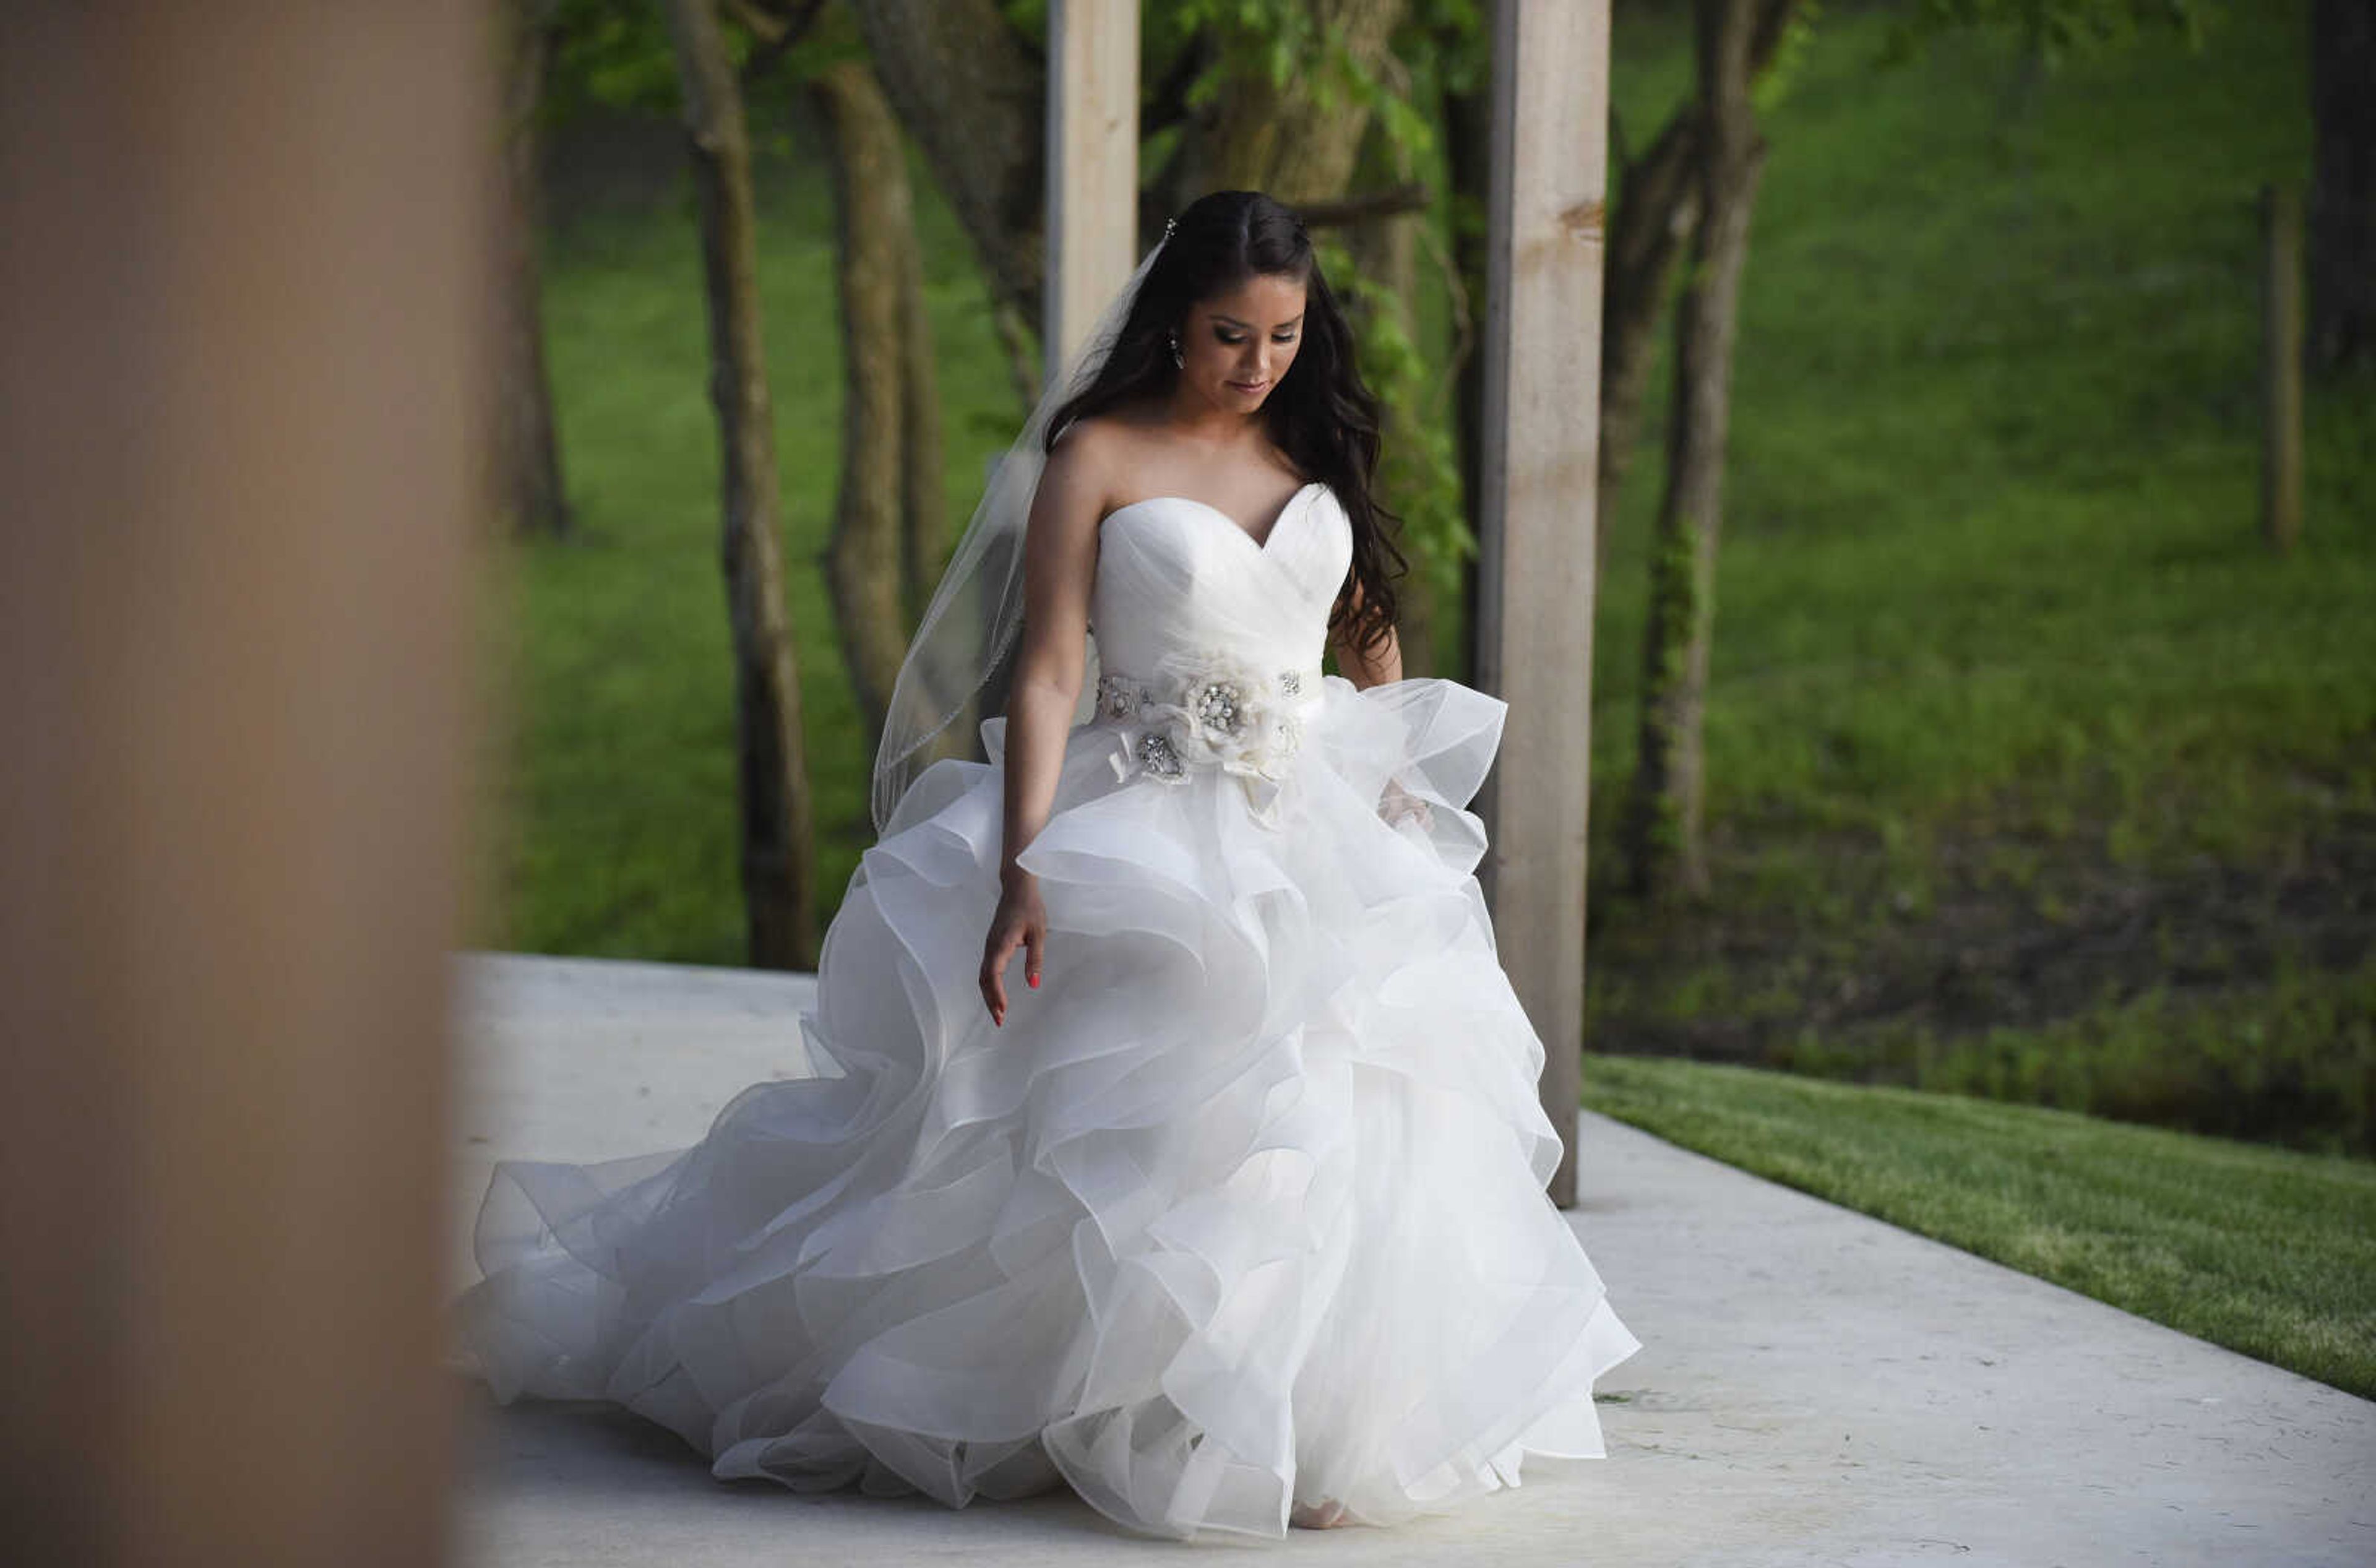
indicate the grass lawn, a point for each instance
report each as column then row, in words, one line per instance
column 2268, row 1252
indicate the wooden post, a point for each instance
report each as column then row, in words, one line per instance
column 1092, row 212
column 1546, row 225
column 2281, row 366
column 1092, row 166
column 247, row 327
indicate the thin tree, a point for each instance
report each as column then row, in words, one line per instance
column 1664, row 196
column 529, row 452
column 923, row 492
column 876, row 559
column 1652, row 220
column 2343, row 184
column 773, row 775
column 1664, row 845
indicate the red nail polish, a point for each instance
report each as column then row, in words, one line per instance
column 1034, row 981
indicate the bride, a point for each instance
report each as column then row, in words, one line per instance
column 1232, row 1216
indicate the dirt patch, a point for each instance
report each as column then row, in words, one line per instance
column 2013, row 932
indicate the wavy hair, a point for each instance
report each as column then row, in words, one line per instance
column 1321, row 413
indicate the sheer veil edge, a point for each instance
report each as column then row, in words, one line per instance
column 969, row 629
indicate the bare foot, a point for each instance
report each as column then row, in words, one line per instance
column 1321, row 1516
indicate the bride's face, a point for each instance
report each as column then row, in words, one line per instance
column 1237, row 345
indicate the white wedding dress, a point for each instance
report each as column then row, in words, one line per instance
column 1241, row 1208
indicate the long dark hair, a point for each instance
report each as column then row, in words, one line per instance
column 1320, row 414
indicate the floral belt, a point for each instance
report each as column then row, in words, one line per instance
column 1210, row 709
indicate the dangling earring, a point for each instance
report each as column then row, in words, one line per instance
column 1178, row 359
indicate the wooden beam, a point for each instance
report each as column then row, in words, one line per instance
column 1092, row 166
column 1546, row 224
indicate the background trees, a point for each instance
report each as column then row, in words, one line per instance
column 2026, row 774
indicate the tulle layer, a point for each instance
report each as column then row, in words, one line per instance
column 1242, row 1206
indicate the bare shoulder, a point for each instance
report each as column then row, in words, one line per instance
column 1088, row 460
column 1075, row 483
column 1092, row 439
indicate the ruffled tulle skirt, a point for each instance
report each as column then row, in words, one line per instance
column 1242, row 1206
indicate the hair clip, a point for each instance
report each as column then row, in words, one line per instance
column 1170, row 224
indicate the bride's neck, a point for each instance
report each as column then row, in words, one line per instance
column 1206, row 425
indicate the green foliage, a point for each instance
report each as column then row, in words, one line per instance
column 2055, row 30
column 1423, row 477
column 2268, row 1252
column 617, row 55
column 1282, row 40
column 613, row 54
column 1782, row 72
column 1451, row 39
column 1270, row 41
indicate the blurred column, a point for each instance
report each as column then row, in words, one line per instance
column 1546, row 225
column 1092, row 166
column 1092, row 216
column 244, row 303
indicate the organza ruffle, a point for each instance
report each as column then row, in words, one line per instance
column 1242, row 1206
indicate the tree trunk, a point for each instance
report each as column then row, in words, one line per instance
column 975, row 99
column 1285, row 138
column 1468, row 158
column 1386, row 249
column 2343, row 185
column 863, row 563
column 1656, row 212
column 529, row 453
column 776, row 810
column 923, row 490
column 1664, row 839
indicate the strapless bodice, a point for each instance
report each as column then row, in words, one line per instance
column 1175, row 573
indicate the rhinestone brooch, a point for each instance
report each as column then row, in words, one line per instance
column 1210, row 708
column 1217, row 706
column 1157, row 755
column 1119, row 697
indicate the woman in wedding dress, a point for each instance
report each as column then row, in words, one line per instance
column 1232, row 1216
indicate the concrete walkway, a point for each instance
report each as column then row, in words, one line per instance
column 1817, row 1387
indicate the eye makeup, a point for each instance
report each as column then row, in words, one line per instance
column 1223, row 322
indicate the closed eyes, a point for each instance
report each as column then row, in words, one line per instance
column 1240, row 339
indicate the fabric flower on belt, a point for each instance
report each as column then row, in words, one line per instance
column 1208, row 708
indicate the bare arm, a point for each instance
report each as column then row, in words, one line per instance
column 1060, row 558
column 1059, row 561
column 1384, row 664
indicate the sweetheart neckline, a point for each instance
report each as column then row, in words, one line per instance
column 1261, row 546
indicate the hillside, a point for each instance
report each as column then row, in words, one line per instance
column 2030, row 771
